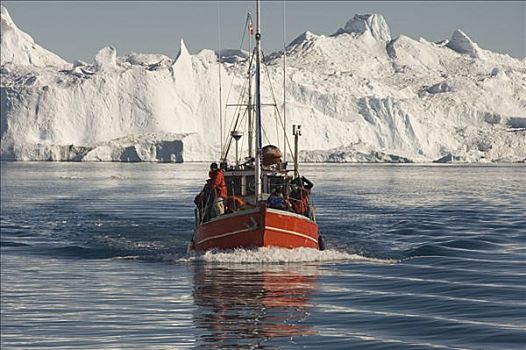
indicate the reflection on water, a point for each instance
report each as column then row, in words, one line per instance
column 242, row 307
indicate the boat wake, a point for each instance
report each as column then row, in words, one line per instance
column 266, row 255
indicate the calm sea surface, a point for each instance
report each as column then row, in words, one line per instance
column 419, row 257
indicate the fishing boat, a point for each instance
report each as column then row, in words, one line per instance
column 248, row 220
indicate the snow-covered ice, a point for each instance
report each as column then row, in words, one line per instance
column 461, row 43
column 360, row 95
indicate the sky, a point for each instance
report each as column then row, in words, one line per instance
column 78, row 29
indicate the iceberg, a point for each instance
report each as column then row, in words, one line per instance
column 360, row 95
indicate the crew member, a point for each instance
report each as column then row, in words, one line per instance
column 218, row 188
column 300, row 201
column 303, row 182
column 204, row 204
column 235, row 203
column 277, row 201
column 300, row 195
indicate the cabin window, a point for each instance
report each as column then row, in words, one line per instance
column 250, row 185
column 274, row 182
column 233, row 185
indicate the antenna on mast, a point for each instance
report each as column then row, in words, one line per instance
column 296, row 131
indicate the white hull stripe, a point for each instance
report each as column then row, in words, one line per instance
column 292, row 233
column 250, row 229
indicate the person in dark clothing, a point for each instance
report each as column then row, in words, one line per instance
column 300, row 195
column 203, row 202
column 302, row 182
column 277, row 201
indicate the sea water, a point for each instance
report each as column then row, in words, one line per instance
column 419, row 257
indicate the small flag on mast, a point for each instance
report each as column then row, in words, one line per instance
column 250, row 28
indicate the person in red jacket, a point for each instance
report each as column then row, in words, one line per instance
column 300, row 201
column 218, row 187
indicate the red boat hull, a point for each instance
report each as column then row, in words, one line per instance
column 259, row 227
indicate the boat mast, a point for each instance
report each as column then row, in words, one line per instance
column 258, row 104
column 250, row 107
column 219, row 71
column 284, row 91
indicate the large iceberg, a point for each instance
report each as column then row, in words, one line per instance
column 360, row 96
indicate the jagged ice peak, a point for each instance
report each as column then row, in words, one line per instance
column 6, row 18
column 19, row 48
column 375, row 24
column 462, row 43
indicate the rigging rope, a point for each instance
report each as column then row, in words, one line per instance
column 228, row 138
column 225, row 147
column 228, row 141
column 277, row 110
column 247, row 20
